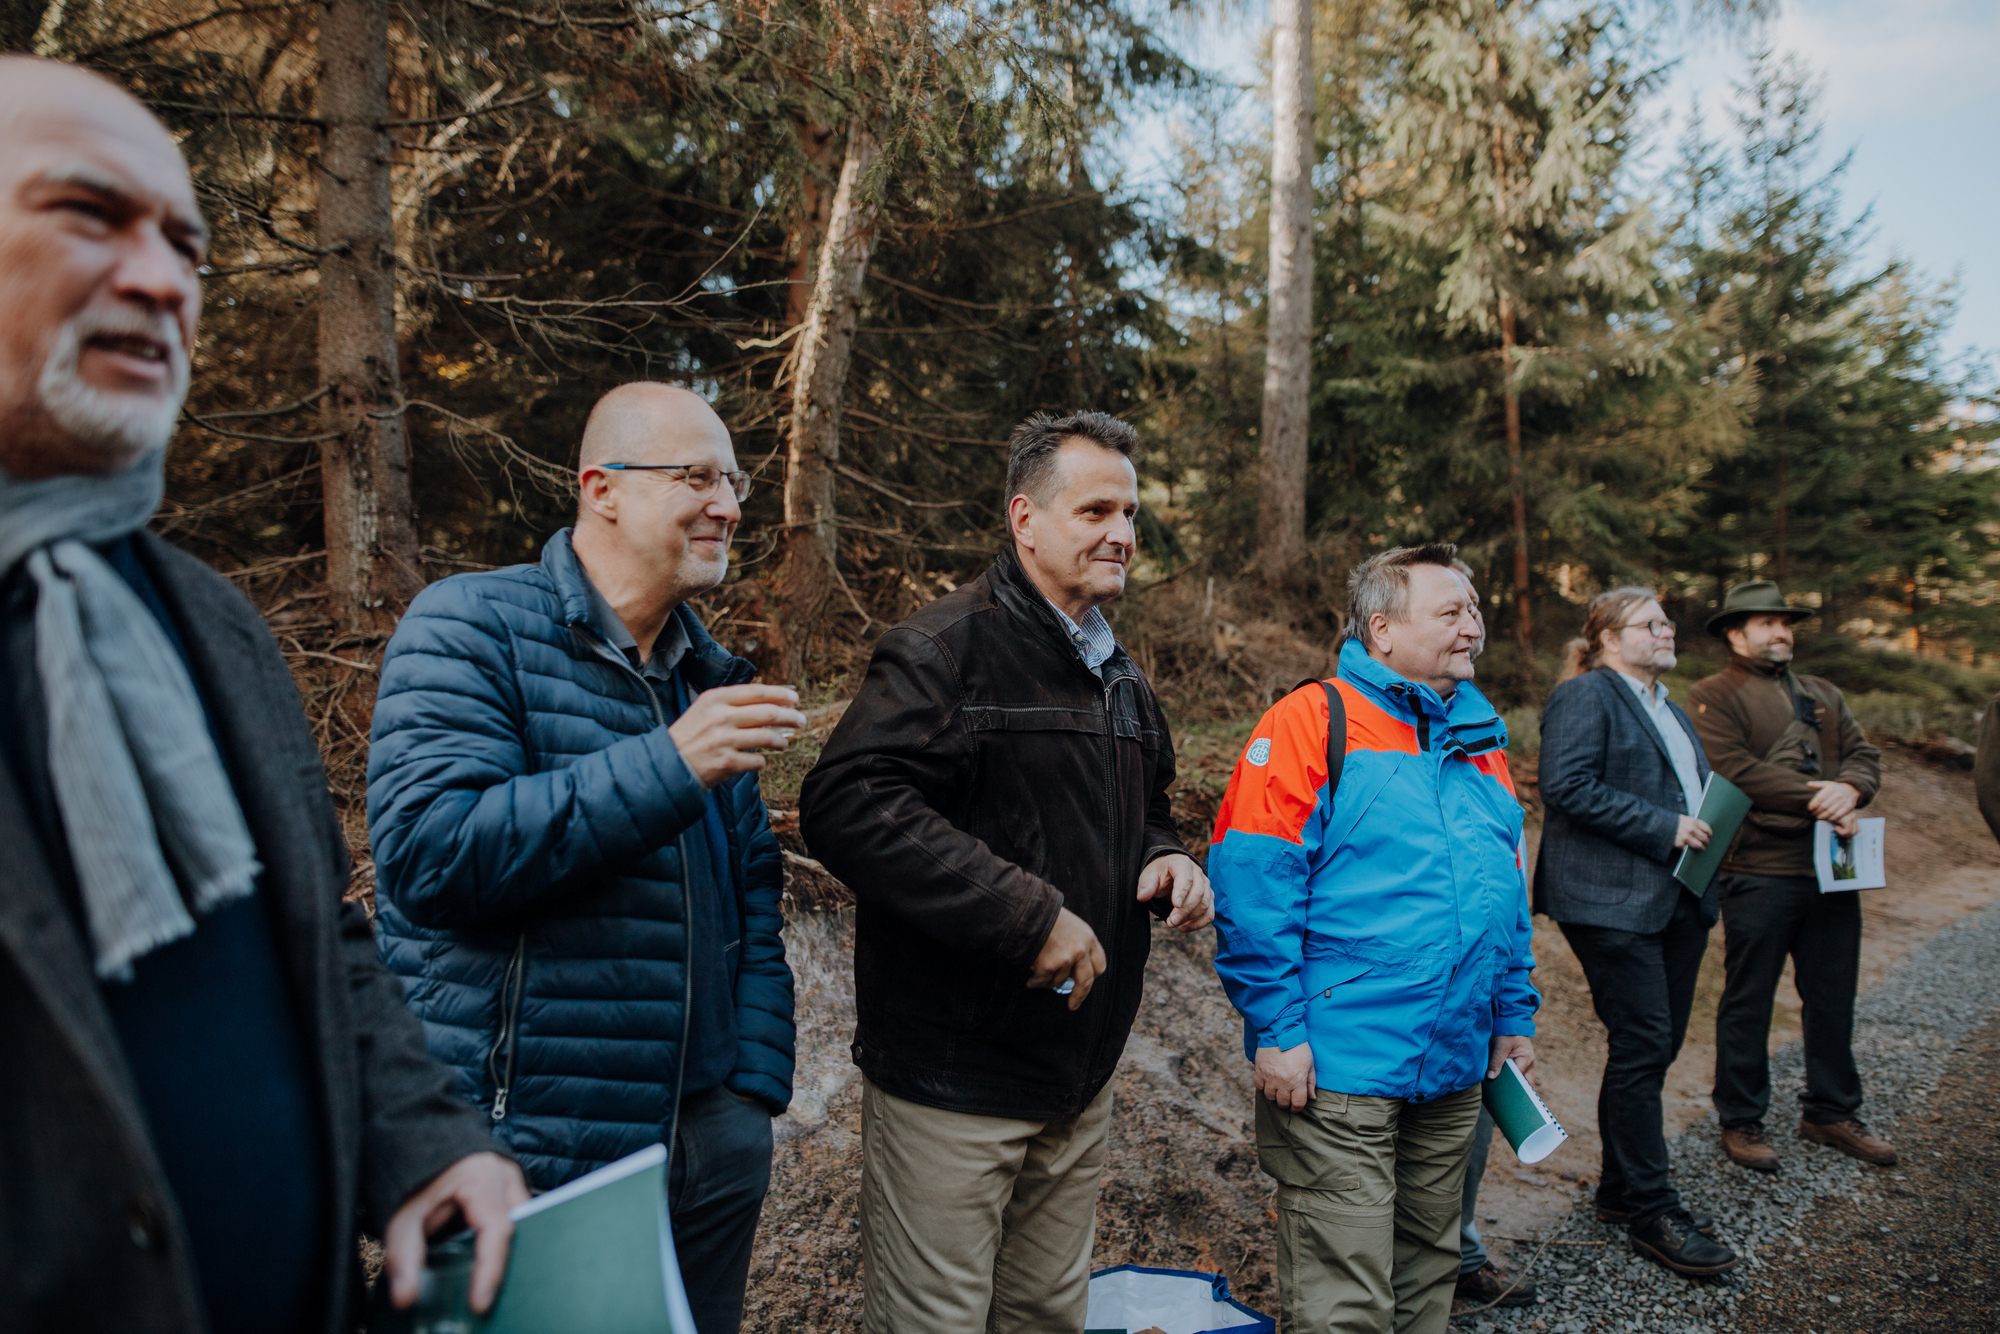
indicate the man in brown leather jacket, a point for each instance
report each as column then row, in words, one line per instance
column 1793, row 745
column 996, row 796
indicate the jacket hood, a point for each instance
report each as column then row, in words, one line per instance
column 1468, row 714
column 708, row 664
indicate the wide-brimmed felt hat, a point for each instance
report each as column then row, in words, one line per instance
column 1752, row 597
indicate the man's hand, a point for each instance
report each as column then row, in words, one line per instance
column 1693, row 833
column 481, row 1188
column 1835, row 803
column 1071, row 952
column 1194, row 901
column 726, row 731
column 1286, row 1077
column 1520, row 1048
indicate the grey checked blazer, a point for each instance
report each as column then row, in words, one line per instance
column 1611, row 804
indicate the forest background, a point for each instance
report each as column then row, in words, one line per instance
column 879, row 233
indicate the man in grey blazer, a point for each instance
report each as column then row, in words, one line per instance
column 1621, row 777
column 206, row 1079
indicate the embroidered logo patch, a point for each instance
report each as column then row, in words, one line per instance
column 1259, row 753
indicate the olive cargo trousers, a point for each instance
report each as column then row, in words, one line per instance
column 978, row 1224
column 1369, row 1193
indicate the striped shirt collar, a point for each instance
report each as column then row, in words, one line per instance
column 1093, row 639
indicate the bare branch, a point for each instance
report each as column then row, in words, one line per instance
column 864, row 479
column 456, row 116
column 280, row 411
column 231, row 113
column 159, row 34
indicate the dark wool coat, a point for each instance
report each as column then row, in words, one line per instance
column 528, row 811
column 89, row 1237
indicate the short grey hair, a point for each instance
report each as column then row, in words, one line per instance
column 1380, row 585
column 1031, row 450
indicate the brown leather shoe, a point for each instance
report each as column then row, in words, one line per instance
column 1851, row 1138
column 1490, row 1285
column 1747, row 1147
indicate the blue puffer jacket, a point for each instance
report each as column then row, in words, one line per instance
column 527, row 810
column 1389, row 925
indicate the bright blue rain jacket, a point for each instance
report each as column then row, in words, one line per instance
column 1388, row 928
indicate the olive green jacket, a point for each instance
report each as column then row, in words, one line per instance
column 1743, row 713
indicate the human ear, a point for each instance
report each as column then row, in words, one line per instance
column 597, row 494
column 1020, row 521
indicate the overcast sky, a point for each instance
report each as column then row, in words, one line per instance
column 1911, row 86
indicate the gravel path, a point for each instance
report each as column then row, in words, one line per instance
column 1919, row 1253
column 1907, row 1030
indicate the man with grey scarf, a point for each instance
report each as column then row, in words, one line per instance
column 205, row 1076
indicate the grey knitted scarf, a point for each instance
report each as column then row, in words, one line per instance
column 146, row 805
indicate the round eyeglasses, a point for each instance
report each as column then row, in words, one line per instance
column 1657, row 629
column 699, row 478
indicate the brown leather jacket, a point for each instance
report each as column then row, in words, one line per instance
column 982, row 779
column 1742, row 713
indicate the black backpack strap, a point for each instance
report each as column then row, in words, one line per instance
column 1336, row 735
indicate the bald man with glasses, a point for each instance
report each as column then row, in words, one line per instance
column 576, row 876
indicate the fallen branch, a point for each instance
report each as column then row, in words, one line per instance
column 1519, row 1277
column 345, row 662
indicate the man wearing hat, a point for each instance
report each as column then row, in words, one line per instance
column 1792, row 744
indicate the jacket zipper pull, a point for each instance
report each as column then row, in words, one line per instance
column 500, row 1105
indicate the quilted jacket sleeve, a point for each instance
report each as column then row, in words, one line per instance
column 765, row 1032
column 464, row 831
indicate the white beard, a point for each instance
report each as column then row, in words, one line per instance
column 123, row 424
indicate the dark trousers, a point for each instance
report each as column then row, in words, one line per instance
column 1764, row 919
column 715, row 1190
column 1642, row 985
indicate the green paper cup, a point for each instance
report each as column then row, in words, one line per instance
column 1522, row 1115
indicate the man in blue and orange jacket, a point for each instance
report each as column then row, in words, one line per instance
column 1376, row 939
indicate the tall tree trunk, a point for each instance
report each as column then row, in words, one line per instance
column 1079, row 181
column 1281, row 472
column 372, row 559
column 1524, row 609
column 809, row 573
column 809, row 233
column 1784, row 526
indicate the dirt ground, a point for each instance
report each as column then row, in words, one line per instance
column 1182, row 1188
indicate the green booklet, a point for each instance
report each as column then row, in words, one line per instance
column 1723, row 805
column 593, row 1257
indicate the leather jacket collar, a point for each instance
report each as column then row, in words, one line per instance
column 1014, row 590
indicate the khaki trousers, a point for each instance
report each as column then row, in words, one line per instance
column 977, row 1224
column 1368, row 1209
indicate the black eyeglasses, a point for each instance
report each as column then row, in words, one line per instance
column 699, row 478
column 1657, row 629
